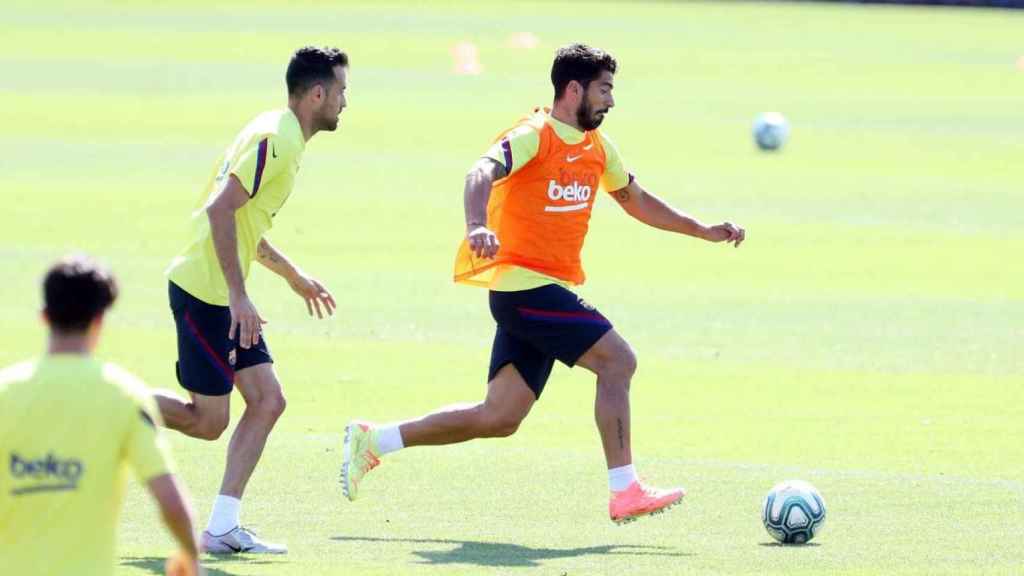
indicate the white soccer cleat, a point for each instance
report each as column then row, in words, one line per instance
column 240, row 541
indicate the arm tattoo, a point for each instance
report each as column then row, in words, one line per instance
column 622, row 195
column 622, row 444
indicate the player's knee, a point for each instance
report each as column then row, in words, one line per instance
column 504, row 429
column 501, row 425
column 274, row 405
column 210, row 428
column 628, row 363
column 619, row 366
column 269, row 408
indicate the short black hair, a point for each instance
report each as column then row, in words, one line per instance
column 312, row 65
column 581, row 63
column 76, row 290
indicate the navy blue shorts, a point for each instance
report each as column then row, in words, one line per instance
column 207, row 359
column 538, row 326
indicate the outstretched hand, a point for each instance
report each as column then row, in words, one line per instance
column 315, row 295
column 726, row 232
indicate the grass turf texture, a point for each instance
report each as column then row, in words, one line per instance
column 866, row 338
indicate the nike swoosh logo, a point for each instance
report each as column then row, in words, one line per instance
column 573, row 158
column 232, row 548
column 588, row 146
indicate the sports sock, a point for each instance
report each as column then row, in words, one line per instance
column 224, row 517
column 389, row 439
column 620, row 478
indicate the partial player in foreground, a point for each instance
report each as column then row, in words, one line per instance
column 220, row 333
column 71, row 427
column 528, row 202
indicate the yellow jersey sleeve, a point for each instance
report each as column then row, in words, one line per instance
column 515, row 149
column 260, row 162
column 144, row 448
column 615, row 176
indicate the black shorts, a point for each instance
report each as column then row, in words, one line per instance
column 538, row 326
column 207, row 359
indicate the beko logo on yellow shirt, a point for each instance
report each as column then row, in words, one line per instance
column 46, row 474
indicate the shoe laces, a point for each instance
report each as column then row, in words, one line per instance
column 370, row 460
column 648, row 491
column 246, row 536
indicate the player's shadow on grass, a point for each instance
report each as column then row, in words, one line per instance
column 155, row 565
column 511, row 555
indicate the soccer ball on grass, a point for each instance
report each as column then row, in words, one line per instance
column 793, row 512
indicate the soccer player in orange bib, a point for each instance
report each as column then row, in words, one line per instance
column 528, row 202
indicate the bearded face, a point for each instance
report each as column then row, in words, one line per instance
column 596, row 102
column 334, row 101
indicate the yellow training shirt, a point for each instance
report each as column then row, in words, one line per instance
column 70, row 428
column 265, row 158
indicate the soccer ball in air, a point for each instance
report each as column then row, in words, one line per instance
column 770, row 130
column 793, row 512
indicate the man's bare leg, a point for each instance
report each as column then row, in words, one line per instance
column 264, row 404
column 614, row 363
column 507, row 403
column 205, row 417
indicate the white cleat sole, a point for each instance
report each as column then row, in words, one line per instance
column 346, row 454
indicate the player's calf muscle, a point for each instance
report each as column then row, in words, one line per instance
column 175, row 412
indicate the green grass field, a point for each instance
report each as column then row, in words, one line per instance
column 867, row 337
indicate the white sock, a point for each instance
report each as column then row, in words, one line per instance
column 620, row 478
column 224, row 517
column 389, row 439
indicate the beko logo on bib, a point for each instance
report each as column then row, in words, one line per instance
column 572, row 192
column 571, row 186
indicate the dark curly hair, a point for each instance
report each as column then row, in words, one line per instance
column 581, row 63
column 76, row 290
column 312, row 65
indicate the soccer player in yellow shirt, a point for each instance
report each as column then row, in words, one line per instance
column 220, row 340
column 71, row 427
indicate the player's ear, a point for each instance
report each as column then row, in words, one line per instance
column 95, row 327
column 44, row 316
